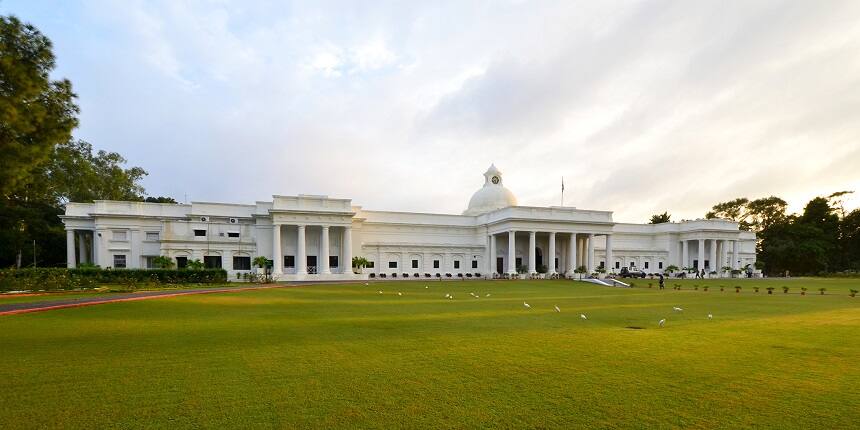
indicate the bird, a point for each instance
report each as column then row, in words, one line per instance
column 527, row 305
column 426, row 286
column 488, row 295
column 677, row 309
column 710, row 316
column 472, row 294
column 557, row 309
column 380, row 291
column 447, row 296
column 583, row 316
column 662, row 321
column 399, row 293
column 366, row 284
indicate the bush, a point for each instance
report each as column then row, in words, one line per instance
column 769, row 290
column 785, row 290
column 372, row 275
column 853, row 293
column 426, row 275
column 67, row 279
column 416, row 275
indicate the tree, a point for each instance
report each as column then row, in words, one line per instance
column 163, row 262
column 764, row 212
column 660, row 218
column 36, row 113
column 159, row 200
column 734, row 210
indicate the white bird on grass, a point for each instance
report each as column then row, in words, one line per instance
column 677, row 309
column 557, row 309
column 366, row 284
column 426, row 286
column 488, row 295
column 527, row 305
column 662, row 321
column 710, row 316
column 380, row 291
column 583, row 316
column 447, row 296
column 399, row 293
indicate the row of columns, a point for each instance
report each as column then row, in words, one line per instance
column 716, row 260
column 301, row 250
column 71, row 258
column 572, row 252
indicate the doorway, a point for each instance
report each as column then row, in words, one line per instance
column 312, row 264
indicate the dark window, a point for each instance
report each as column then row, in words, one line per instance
column 556, row 262
column 289, row 261
column 518, row 261
column 119, row 261
column 456, row 264
column 617, row 264
column 646, row 264
column 333, row 261
column 241, row 263
column 181, row 262
column 233, row 234
column 414, row 264
column 212, row 261
column 601, row 265
column 631, row 265
column 200, row 232
column 707, row 263
column 370, row 264
column 435, row 264
column 695, row 264
column 392, row 264
column 474, row 264
column 660, row 265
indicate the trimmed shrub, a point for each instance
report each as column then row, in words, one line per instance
column 49, row 279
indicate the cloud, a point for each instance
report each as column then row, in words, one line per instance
column 641, row 106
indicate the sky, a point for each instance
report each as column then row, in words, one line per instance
column 642, row 107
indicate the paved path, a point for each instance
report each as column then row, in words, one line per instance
column 20, row 308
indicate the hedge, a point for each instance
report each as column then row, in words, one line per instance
column 66, row 279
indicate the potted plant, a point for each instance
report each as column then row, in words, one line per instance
column 852, row 293
column 727, row 269
column 677, row 287
column 722, row 288
column 705, row 288
column 803, row 291
column 755, row 289
column 650, row 285
column 822, row 290
column 769, row 290
column 580, row 270
column 785, row 290
column 263, row 263
column 737, row 288
column 372, row 275
column 671, row 269
column 696, row 287
column 359, row 263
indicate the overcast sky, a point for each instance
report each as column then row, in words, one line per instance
column 642, row 107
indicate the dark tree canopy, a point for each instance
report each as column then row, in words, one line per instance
column 660, row 218
column 159, row 199
column 35, row 113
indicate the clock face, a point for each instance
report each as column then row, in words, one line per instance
column 495, row 180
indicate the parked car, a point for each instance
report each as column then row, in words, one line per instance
column 631, row 273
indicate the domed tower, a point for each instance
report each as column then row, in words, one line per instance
column 493, row 195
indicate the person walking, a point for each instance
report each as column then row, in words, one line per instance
column 661, row 281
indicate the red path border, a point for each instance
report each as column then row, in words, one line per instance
column 131, row 299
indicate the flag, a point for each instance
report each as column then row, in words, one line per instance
column 562, row 184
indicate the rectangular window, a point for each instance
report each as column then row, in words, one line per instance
column 241, row 263
column 119, row 235
column 181, row 262
column 232, row 234
column 456, row 264
column 435, row 264
column 212, row 261
column 199, row 233
column 149, row 262
column 660, row 265
column 518, row 261
column 617, row 264
column 333, row 261
column 119, row 261
column 474, row 264
column 152, row 235
column 392, row 264
column 370, row 264
column 290, row 261
column 414, row 264
column 601, row 265
column 707, row 264
column 631, row 265
column 646, row 264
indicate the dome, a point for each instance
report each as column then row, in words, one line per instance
column 493, row 195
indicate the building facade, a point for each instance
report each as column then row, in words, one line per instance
column 315, row 238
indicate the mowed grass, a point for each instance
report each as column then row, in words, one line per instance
column 344, row 356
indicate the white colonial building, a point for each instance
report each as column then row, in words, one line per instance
column 315, row 238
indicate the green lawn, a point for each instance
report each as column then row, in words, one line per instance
column 345, row 356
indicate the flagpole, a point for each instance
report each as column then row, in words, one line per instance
column 562, row 191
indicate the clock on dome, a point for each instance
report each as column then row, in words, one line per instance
column 495, row 180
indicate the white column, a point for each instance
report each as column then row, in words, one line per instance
column 610, row 265
column 532, row 252
column 82, row 248
column 735, row 254
column 724, row 250
column 572, row 254
column 713, row 257
column 701, row 255
column 97, row 252
column 492, row 256
column 70, row 249
column 512, row 256
column 134, row 249
column 551, row 264
column 590, row 250
column 277, row 254
column 301, row 253
column 324, row 268
column 685, row 254
column 347, row 251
